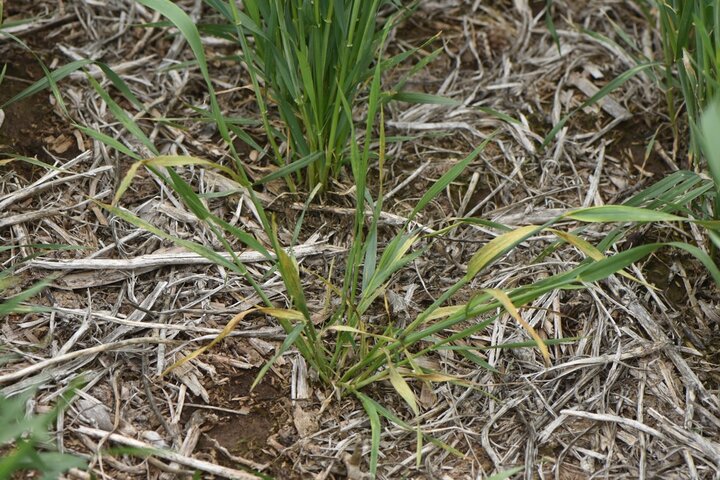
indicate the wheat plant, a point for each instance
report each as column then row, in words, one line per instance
column 305, row 60
column 690, row 32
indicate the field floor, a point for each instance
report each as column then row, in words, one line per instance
column 633, row 394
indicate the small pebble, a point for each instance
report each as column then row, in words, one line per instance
column 154, row 438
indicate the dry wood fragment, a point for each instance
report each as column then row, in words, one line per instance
column 607, row 103
column 168, row 455
column 40, row 366
column 174, row 256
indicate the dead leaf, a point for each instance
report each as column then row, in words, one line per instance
column 305, row 422
column 352, row 464
column 427, row 399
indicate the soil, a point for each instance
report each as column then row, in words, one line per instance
column 497, row 424
column 266, row 413
column 32, row 127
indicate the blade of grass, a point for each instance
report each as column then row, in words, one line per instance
column 603, row 92
column 370, row 408
column 448, row 177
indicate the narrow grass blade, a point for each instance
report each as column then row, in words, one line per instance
column 499, row 115
column 507, row 473
column 497, row 246
column 45, row 82
column 424, row 98
column 244, row 237
column 711, row 141
column 290, row 168
column 193, row 202
column 127, row 181
column 122, row 116
column 190, row 32
column 292, row 336
column 121, row 86
column 32, row 161
column 448, row 177
column 166, row 161
column 109, row 141
column 401, row 57
column 357, row 331
column 192, row 246
column 284, row 313
column 185, row 160
column 621, row 213
column 12, row 304
column 291, row 278
column 550, row 24
column 224, row 333
column 375, row 427
column 503, row 298
column 581, row 244
column 442, row 312
column 588, row 249
column 604, row 91
column 402, row 388
column 703, row 257
column 607, row 266
column 393, row 259
column 481, row 362
column 549, row 341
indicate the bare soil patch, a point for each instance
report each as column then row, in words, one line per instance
column 31, row 127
